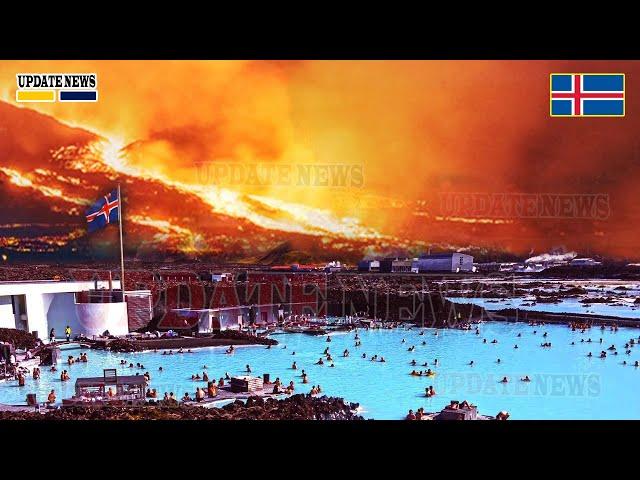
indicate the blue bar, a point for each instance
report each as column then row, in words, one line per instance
column 561, row 83
column 78, row 96
column 561, row 107
column 603, row 83
column 603, row 107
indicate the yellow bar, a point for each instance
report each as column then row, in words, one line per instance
column 35, row 96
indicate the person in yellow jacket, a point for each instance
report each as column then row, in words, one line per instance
column 67, row 333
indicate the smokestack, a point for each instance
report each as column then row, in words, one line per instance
column 110, row 282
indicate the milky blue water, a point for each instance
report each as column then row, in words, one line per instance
column 566, row 384
column 566, row 305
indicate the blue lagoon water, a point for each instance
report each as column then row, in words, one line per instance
column 566, row 384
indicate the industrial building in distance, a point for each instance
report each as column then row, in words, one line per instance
column 440, row 262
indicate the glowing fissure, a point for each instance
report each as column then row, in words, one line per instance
column 305, row 220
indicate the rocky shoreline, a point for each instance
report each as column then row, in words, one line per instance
column 296, row 407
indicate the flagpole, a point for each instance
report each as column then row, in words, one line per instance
column 121, row 246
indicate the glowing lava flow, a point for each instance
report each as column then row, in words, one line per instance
column 24, row 181
column 291, row 217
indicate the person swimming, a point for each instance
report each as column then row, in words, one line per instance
column 382, row 360
column 320, row 361
column 345, row 353
column 248, row 368
column 504, row 380
column 413, row 363
column 498, row 361
column 364, row 355
column 515, row 346
column 294, row 366
column 525, row 379
column 470, row 363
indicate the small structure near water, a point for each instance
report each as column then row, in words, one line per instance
column 128, row 390
column 246, row 383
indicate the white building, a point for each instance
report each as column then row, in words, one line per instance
column 444, row 262
column 39, row 306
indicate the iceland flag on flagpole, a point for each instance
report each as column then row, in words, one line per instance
column 103, row 212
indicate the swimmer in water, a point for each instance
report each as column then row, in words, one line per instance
column 364, row 355
column 525, row 379
column 504, row 380
column 498, row 361
column 470, row 363
column 294, row 366
column 320, row 361
column 515, row 346
column 248, row 368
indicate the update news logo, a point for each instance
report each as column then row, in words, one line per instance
column 61, row 87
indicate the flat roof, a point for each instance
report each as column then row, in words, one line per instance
column 120, row 380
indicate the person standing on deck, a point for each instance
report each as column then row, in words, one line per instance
column 52, row 335
column 67, row 333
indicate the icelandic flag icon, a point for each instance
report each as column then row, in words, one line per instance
column 103, row 212
column 587, row 95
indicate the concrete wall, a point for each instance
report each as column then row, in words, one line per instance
column 95, row 318
column 7, row 319
column 61, row 311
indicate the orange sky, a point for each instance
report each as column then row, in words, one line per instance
column 415, row 128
